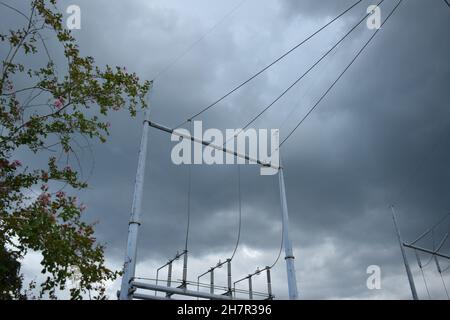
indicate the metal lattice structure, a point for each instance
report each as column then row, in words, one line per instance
column 434, row 252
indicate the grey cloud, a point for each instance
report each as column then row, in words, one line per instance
column 354, row 157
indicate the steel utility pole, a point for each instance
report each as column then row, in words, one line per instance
column 129, row 267
column 405, row 260
column 289, row 254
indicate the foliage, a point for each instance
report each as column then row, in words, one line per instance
column 42, row 112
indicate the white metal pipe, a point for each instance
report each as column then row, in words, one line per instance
column 142, row 296
column 157, row 279
column 178, row 291
column 169, row 275
column 229, row 276
column 211, row 145
column 129, row 267
column 185, row 262
column 405, row 259
column 211, row 288
column 269, row 283
column 289, row 255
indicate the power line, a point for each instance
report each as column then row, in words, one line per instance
column 431, row 229
column 302, row 76
column 419, row 263
column 306, row 72
column 306, row 92
column 442, row 277
column 434, row 249
column 443, row 241
column 279, row 251
column 282, row 239
column 271, row 64
column 339, row 77
column 195, row 43
column 240, row 213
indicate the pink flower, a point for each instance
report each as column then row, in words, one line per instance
column 60, row 194
column 44, row 175
column 82, row 207
column 59, row 103
column 44, row 187
column 108, row 125
column 16, row 163
column 44, row 199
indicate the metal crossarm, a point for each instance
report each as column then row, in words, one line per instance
column 209, row 144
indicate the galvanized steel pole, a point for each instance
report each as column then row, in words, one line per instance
column 250, row 288
column 405, row 260
column 289, row 255
column 211, row 289
column 129, row 267
column 229, row 277
column 169, row 275
column 269, row 283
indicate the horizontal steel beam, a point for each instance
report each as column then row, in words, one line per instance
column 141, row 296
column 179, row 291
column 209, row 144
column 426, row 251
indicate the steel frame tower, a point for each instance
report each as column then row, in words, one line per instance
column 128, row 284
column 435, row 253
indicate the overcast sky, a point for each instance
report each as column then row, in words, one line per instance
column 379, row 137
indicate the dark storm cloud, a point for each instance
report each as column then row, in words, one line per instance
column 354, row 156
column 313, row 9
